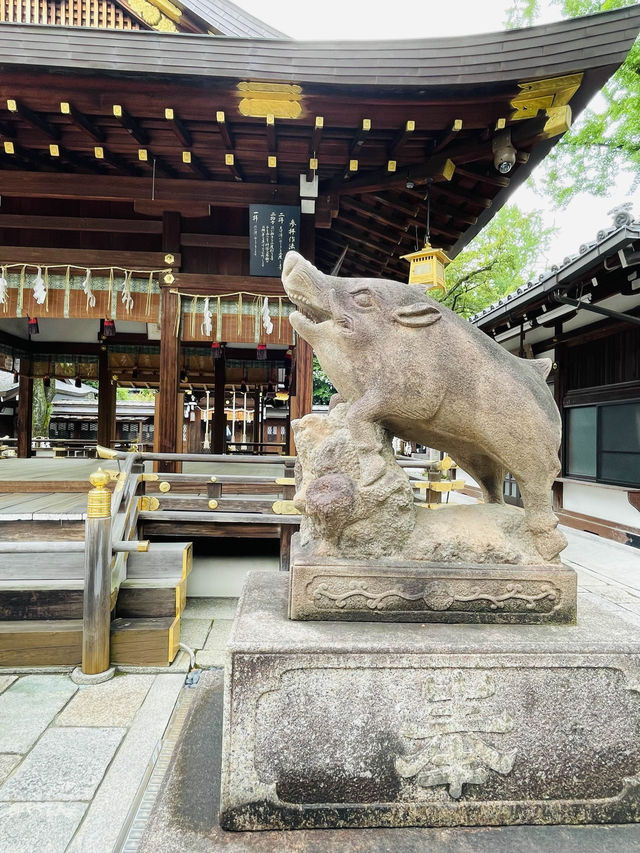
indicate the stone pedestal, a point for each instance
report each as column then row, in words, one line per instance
column 349, row 724
column 401, row 590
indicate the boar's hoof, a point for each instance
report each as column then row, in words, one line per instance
column 550, row 543
column 332, row 498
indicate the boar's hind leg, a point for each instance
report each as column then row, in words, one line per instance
column 487, row 473
column 539, row 515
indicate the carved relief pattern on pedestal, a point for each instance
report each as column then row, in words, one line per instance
column 439, row 595
column 451, row 750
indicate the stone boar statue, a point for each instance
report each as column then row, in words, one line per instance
column 426, row 375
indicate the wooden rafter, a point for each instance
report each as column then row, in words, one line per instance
column 179, row 127
column 131, row 124
column 83, row 121
column 34, row 118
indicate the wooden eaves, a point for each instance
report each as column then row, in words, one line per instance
column 374, row 121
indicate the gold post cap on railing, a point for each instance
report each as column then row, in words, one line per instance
column 106, row 452
column 99, row 498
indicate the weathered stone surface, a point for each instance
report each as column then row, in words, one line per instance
column 214, row 651
column 113, row 703
column 404, row 363
column 363, row 724
column 45, row 827
column 7, row 763
column 342, row 513
column 27, row 708
column 127, row 772
column 6, row 681
column 389, row 589
column 66, row 764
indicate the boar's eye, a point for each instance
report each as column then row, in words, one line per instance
column 362, row 298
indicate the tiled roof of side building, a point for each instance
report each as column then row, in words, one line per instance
column 227, row 19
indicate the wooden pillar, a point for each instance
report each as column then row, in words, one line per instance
column 106, row 401
column 24, row 422
column 219, row 417
column 167, row 410
column 300, row 404
column 561, row 355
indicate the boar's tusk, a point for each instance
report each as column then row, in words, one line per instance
column 418, row 314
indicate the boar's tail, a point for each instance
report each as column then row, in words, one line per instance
column 542, row 366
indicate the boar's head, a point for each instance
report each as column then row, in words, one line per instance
column 352, row 319
column 351, row 322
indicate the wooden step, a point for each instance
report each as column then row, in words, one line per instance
column 162, row 560
column 145, row 642
column 43, row 643
column 54, row 566
column 57, row 530
column 40, row 600
column 139, row 597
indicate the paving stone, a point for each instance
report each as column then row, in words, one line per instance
column 66, row 764
column 213, row 653
column 27, row 708
column 194, row 632
column 7, row 763
column 112, row 703
column 45, row 827
column 117, row 794
column 6, row 681
column 210, row 608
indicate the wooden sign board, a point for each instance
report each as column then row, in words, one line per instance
column 273, row 231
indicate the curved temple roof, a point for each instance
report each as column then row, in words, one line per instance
column 373, row 121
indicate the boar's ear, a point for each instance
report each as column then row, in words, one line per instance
column 418, row 314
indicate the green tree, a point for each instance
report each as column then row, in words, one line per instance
column 605, row 141
column 42, row 406
column 322, row 387
column 499, row 260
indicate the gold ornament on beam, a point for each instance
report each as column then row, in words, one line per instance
column 427, row 264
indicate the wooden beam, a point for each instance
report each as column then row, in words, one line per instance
column 493, row 180
column 300, row 404
column 24, row 425
column 272, row 145
column 83, row 121
column 230, row 163
column 212, row 241
column 179, row 127
column 124, row 188
column 447, row 136
column 80, row 223
column 214, row 285
column 360, row 139
column 400, row 138
column 106, row 400
column 219, row 432
column 35, row 119
column 84, row 257
column 196, row 165
column 166, row 424
column 131, row 125
column 225, row 132
column 120, row 163
column 436, row 168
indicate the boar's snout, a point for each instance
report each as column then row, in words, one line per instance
column 291, row 260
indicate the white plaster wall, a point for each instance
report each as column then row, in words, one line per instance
column 608, row 503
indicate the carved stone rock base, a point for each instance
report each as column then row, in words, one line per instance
column 392, row 590
column 349, row 724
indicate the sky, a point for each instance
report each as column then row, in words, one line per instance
column 342, row 20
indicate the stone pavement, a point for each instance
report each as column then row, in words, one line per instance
column 74, row 761
column 108, row 768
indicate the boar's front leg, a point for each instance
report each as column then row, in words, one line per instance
column 361, row 419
